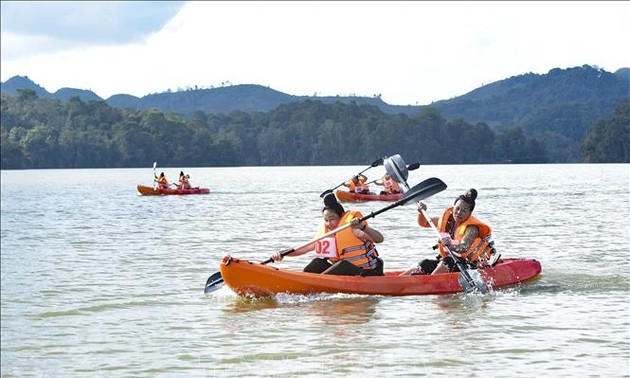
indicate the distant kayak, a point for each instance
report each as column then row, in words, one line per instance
column 258, row 280
column 345, row 196
column 150, row 191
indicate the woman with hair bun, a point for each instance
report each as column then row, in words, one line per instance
column 466, row 236
column 349, row 252
column 184, row 181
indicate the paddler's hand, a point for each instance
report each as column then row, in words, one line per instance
column 276, row 256
column 446, row 240
column 449, row 242
column 357, row 224
column 279, row 255
column 421, row 206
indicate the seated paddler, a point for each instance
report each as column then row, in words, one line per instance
column 162, row 182
column 358, row 184
column 467, row 237
column 390, row 185
column 350, row 252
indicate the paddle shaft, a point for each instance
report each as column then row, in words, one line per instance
column 428, row 187
column 375, row 163
column 352, row 176
column 460, row 264
column 215, row 280
column 331, row 232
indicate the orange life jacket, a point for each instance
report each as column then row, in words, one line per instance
column 391, row 186
column 162, row 182
column 362, row 187
column 351, row 186
column 361, row 253
column 481, row 249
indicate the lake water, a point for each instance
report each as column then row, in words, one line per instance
column 99, row 281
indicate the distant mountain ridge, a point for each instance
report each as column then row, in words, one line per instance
column 242, row 97
column 17, row 82
column 529, row 101
column 527, row 92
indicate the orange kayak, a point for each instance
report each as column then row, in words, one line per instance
column 150, row 191
column 345, row 196
column 254, row 279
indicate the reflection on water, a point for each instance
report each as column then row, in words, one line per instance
column 240, row 305
column 342, row 311
column 324, row 309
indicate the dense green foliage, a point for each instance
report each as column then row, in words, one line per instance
column 45, row 133
column 533, row 118
column 557, row 108
column 608, row 141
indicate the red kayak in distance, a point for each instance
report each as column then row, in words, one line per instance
column 151, row 191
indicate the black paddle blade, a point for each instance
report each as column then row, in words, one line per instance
column 468, row 286
column 324, row 193
column 377, row 162
column 425, row 189
column 214, row 282
column 413, row 167
column 471, row 281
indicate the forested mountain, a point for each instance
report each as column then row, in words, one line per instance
column 510, row 102
column 608, row 141
column 530, row 118
column 558, row 107
column 44, row 133
column 519, row 98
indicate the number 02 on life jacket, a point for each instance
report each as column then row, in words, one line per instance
column 326, row 248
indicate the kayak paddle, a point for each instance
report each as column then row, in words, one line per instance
column 423, row 190
column 154, row 175
column 375, row 163
column 469, row 279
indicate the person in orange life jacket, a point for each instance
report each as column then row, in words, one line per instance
column 389, row 184
column 349, row 252
column 466, row 236
column 162, row 182
column 357, row 184
column 183, row 181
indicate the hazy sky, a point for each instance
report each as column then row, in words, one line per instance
column 409, row 52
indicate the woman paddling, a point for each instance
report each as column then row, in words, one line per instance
column 349, row 252
column 184, row 181
column 466, row 236
column 162, row 182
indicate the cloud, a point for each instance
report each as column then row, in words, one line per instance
column 36, row 27
column 409, row 52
